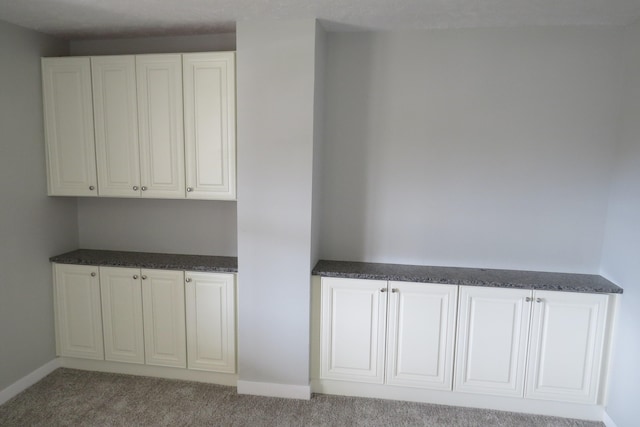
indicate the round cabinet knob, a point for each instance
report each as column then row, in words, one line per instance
column 135, row 276
column 144, row 188
column 538, row 299
column 135, row 188
column 528, row 299
column 189, row 189
column 91, row 187
column 144, row 277
column 383, row 290
column 188, row 279
column 395, row 290
column 93, row 274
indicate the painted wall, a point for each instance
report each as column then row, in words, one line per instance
column 192, row 227
column 275, row 70
column 484, row 147
column 621, row 254
column 33, row 226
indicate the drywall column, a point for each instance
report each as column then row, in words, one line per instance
column 275, row 102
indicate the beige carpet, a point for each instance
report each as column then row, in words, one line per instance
column 70, row 397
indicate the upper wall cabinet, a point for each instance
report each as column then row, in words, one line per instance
column 209, row 122
column 141, row 126
column 68, row 125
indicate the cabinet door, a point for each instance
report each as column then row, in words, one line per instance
column 77, row 311
column 68, row 127
column 116, row 125
column 492, row 340
column 164, row 318
column 210, row 307
column 567, row 338
column 159, row 87
column 121, row 292
column 421, row 335
column 209, row 120
column 352, row 333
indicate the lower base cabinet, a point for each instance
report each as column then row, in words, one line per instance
column 146, row 316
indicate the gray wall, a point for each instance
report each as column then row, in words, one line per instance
column 621, row 255
column 275, row 63
column 198, row 227
column 485, row 147
column 32, row 226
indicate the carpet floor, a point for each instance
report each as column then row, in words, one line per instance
column 69, row 397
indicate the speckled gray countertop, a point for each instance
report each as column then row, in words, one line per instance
column 568, row 282
column 221, row 264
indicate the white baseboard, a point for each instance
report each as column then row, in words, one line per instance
column 28, row 380
column 275, row 390
column 606, row 419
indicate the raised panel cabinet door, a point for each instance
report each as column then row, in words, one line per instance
column 421, row 335
column 164, row 318
column 77, row 311
column 160, row 121
column 352, row 329
column 210, row 125
column 210, row 307
column 115, row 110
column 68, row 127
column 121, row 291
column 565, row 353
column 493, row 326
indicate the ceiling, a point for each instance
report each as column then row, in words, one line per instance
column 78, row 19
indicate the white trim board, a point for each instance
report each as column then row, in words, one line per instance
column 28, row 380
column 608, row 422
column 287, row 391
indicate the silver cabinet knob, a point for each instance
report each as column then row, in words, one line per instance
column 395, row 290
column 93, row 274
column 383, row 290
column 135, row 188
column 189, row 189
column 91, row 187
column 144, row 277
column 538, row 299
column 188, row 279
column 144, row 188
column 135, row 276
column 528, row 299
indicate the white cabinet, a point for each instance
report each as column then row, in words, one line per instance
column 210, row 311
column 421, row 335
column 115, row 109
column 492, row 340
column 209, row 120
column 565, row 352
column 121, row 291
column 78, row 316
column 68, row 126
column 563, row 331
column 164, row 317
column 412, row 346
column 161, row 134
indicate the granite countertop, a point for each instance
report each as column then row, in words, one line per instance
column 568, row 282
column 220, row 264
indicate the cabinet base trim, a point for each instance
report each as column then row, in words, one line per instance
column 28, row 380
column 511, row 404
column 149, row 371
column 608, row 422
column 274, row 390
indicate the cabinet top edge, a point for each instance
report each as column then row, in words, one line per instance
column 161, row 261
column 515, row 279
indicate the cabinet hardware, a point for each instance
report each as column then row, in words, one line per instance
column 144, row 188
column 383, row 290
column 538, row 299
column 135, row 188
column 91, row 187
column 144, row 277
column 189, row 189
column 528, row 299
column 188, row 279
column 135, row 276
column 93, row 274
column 395, row 290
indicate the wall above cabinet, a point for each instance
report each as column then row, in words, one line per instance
column 152, row 126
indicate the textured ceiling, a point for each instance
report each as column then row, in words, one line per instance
column 124, row 18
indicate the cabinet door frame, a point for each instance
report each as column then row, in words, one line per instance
column 68, row 127
column 340, row 328
column 430, row 329
column 472, row 342
column 209, row 121
column 115, row 109
column 77, row 309
column 211, row 320
column 121, row 291
column 574, row 322
column 160, row 124
column 164, row 318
